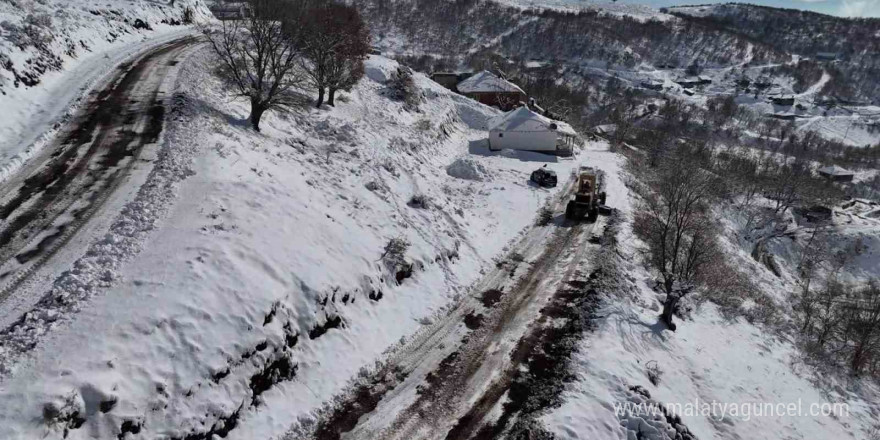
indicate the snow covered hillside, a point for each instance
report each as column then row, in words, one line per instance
column 247, row 281
column 641, row 12
column 715, row 357
column 53, row 51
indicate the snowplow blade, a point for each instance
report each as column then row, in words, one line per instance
column 580, row 211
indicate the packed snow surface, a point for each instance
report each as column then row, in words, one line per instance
column 53, row 52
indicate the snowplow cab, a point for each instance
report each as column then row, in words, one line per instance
column 587, row 198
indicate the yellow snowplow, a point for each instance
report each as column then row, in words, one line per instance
column 588, row 199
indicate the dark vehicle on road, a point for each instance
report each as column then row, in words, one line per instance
column 544, row 177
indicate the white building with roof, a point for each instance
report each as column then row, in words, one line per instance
column 523, row 129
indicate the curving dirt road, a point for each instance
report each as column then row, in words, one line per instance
column 450, row 379
column 57, row 192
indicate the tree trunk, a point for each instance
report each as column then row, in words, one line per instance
column 668, row 311
column 669, row 304
column 320, row 97
column 257, row 110
column 331, row 97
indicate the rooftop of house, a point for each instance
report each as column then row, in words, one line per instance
column 519, row 119
column 485, row 81
column 835, row 170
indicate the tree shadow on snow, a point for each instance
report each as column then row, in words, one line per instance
column 638, row 334
column 480, row 147
column 209, row 108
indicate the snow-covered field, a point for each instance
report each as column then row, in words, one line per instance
column 246, row 254
column 710, row 359
column 54, row 51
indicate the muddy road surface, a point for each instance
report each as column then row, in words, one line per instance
column 59, row 190
column 450, row 380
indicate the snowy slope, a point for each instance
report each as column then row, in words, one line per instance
column 712, row 358
column 53, row 51
column 244, row 286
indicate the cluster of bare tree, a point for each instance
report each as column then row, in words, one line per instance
column 853, row 41
column 682, row 182
column 334, row 42
column 839, row 322
column 283, row 47
column 842, row 323
column 722, row 120
column 675, row 220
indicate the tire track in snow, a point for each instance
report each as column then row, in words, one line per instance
column 95, row 154
column 453, row 359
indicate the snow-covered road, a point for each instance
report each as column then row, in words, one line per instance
column 450, row 380
column 55, row 195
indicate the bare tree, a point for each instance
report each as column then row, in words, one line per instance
column 863, row 330
column 258, row 59
column 675, row 222
column 814, row 254
column 346, row 65
column 335, row 42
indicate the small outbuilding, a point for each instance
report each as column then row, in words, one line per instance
column 826, row 56
column 785, row 116
column 837, row 174
column 523, row 129
column 229, row 10
column 604, row 130
column 693, row 81
column 449, row 79
column 784, row 100
column 490, row 89
column 653, row 85
column 763, row 83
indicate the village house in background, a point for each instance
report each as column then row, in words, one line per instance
column 653, row 85
column 784, row 100
column 229, row 10
column 693, row 81
column 523, row 129
column 492, row 90
column 826, row 56
column 450, row 80
column 836, row 173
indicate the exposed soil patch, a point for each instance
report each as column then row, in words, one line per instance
column 280, row 369
column 319, row 330
column 491, row 297
column 404, row 272
column 545, row 352
column 438, row 376
column 362, row 400
column 129, row 427
column 472, row 321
